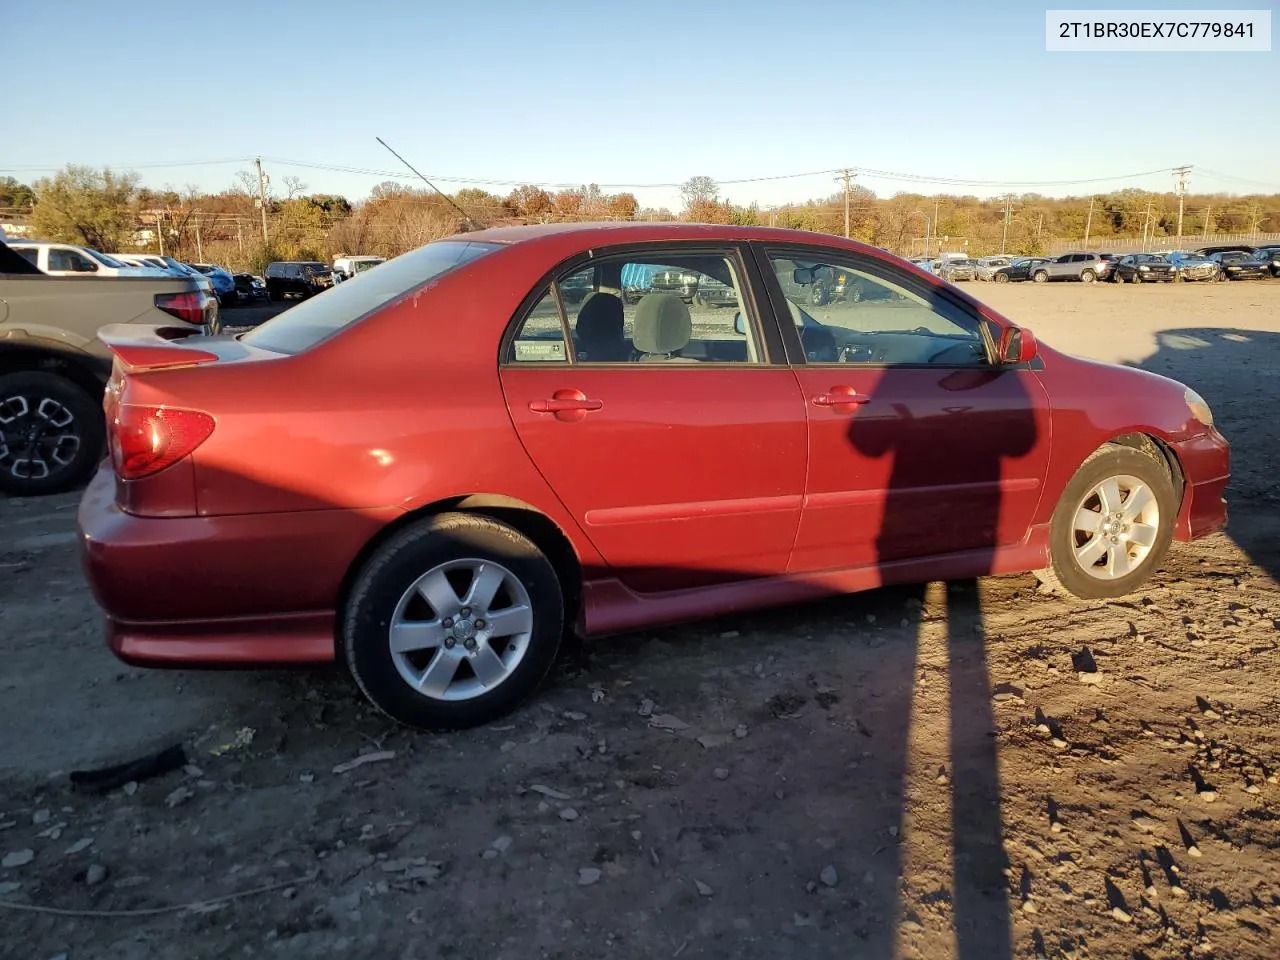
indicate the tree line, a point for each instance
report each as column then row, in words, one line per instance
column 113, row 211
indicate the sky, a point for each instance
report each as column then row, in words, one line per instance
column 573, row 91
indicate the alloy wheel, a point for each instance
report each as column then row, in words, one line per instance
column 1116, row 525
column 461, row 629
column 38, row 436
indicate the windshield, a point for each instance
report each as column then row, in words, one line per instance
column 311, row 321
column 103, row 259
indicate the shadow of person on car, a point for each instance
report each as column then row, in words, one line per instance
column 950, row 434
column 1238, row 374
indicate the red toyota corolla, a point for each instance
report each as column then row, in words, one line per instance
column 433, row 470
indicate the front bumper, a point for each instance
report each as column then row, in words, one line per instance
column 219, row 591
column 1206, row 466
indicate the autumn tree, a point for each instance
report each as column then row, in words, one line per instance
column 96, row 208
column 697, row 189
column 15, row 194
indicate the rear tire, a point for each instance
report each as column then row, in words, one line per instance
column 465, row 547
column 1001, row 278
column 52, row 434
column 1084, row 561
column 1088, row 276
column 1040, row 276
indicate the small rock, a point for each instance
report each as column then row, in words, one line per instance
column 893, row 831
column 713, row 740
column 307, row 778
column 588, row 876
column 1006, row 691
column 79, row 845
column 810, row 887
column 740, row 731
column 550, row 792
column 668, row 722
column 39, row 817
column 802, row 920
column 490, row 854
column 1146, row 824
column 191, row 770
column 871, row 618
column 829, row 876
column 1092, row 679
column 18, row 858
column 720, row 773
column 179, row 796
column 1193, row 850
column 507, row 746
column 568, row 813
column 730, row 634
column 573, row 715
column 1028, row 906
column 95, row 874
column 502, row 844
column 911, row 926
column 8, row 887
column 646, row 708
column 1121, row 915
column 703, row 889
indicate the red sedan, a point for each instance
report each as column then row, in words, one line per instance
column 433, row 470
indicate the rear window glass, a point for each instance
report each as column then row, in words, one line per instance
column 316, row 319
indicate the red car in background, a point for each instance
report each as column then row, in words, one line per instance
column 435, row 469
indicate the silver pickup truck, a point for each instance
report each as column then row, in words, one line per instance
column 53, row 368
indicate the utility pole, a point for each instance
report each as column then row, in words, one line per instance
column 240, row 234
column 1208, row 214
column 262, row 198
column 199, row 245
column 846, row 177
column 1088, row 222
column 1146, row 224
column 1004, row 235
column 160, row 233
column 1181, row 173
column 935, row 224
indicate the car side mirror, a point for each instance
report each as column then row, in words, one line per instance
column 1016, row 345
column 739, row 324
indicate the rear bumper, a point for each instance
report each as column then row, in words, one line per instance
column 1206, row 465
column 193, row 591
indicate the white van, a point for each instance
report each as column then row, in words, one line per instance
column 71, row 260
column 348, row 267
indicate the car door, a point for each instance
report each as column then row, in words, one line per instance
column 919, row 445
column 677, row 443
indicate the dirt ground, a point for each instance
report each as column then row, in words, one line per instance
column 899, row 773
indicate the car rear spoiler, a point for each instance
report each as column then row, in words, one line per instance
column 152, row 346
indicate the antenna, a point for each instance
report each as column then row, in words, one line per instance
column 448, row 199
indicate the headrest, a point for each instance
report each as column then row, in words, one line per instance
column 600, row 318
column 663, row 324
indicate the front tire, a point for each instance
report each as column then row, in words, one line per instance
column 453, row 622
column 1088, row 276
column 1001, row 278
column 1040, row 276
column 52, row 434
column 1112, row 526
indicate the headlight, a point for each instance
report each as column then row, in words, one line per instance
column 1144, row 267
column 1199, row 409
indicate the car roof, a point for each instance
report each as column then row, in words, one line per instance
column 639, row 231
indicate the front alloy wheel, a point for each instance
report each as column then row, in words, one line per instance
column 1113, row 523
column 51, row 434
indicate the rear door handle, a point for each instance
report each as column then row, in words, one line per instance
column 838, row 397
column 568, row 406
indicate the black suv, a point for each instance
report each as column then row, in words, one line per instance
column 303, row 277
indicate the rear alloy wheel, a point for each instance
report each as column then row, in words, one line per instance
column 1113, row 525
column 1040, row 276
column 51, row 434
column 1137, row 276
column 1001, row 278
column 1087, row 276
column 453, row 622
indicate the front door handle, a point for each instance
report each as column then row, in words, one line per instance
column 566, row 405
column 838, row 397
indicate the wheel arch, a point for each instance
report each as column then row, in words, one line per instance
column 545, row 533
column 86, row 371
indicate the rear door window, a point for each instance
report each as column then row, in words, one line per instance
column 312, row 321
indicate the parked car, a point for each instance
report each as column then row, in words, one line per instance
column 1271, row 257
column 438, row 506
column 1019, row 270
column 249, row 287
column 987, row 266
column 1189, row 266
column 304, row 278
column 172, row 267
column 575, row 289
column 1237, row 265
column 636, row 280
column 53, row 368
column 958, row 269
column 224, row 284
column 713, row 293
column 71, row 260
column 1226, row 248
column 1085, row 267
column 348, row 267
column 1143, row 268
column 680, row 282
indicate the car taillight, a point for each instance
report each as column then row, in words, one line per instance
column 189, row 305
column 145, row 440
